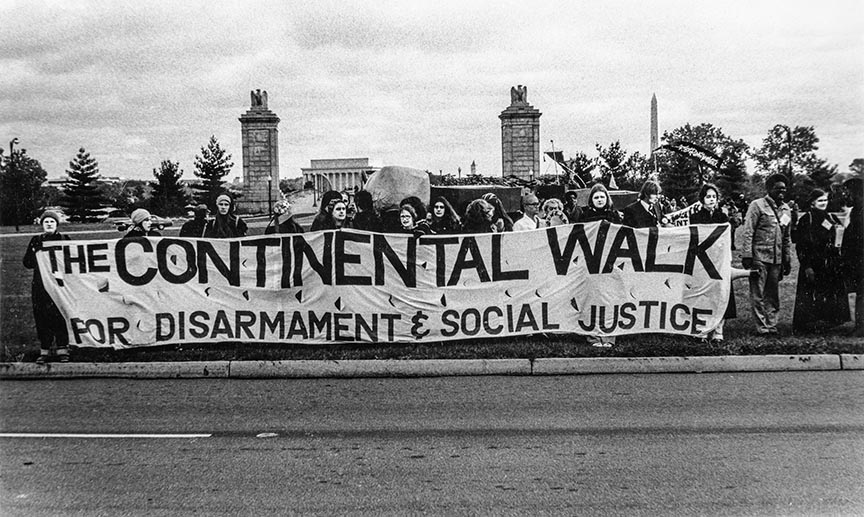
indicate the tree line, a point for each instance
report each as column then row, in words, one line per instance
column 790, row 151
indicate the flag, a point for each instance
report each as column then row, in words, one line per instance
column 700, row 154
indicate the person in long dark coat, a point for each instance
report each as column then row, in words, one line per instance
column 710, row 213
column 853, row 251
column 50, row 325
column 367, row 218
column 226, row 224
column 820, row 299
column 196, row 226
column 599, row 207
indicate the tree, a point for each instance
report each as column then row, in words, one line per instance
column 637, row 169
column 786, row 151
column 582, row 166
column 213, row 165
column 683, row 176
column 21, row 178
column 81, row 194
column 168, row 197
column 612, row 160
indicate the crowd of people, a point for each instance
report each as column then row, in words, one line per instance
column 830, row 253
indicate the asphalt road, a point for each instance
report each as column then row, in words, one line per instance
column 683, row 444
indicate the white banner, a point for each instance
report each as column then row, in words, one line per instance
column 354, row 286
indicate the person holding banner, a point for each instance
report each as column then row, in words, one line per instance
column 502, row 221
column 478, row 217
column 445, row 221
column 820, row 297
column 421, row 217
column 553, row 213
column 50, row 325
column 142, row 223
column 643, row 213
column 710, row 213
column 323, row 220
column 599, row 207
column 766, row 245
column 226, row 225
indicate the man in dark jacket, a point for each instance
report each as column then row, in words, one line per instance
column 644, row 213
column 226, row 225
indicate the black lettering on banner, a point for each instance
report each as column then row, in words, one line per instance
column 260, row 246
column 162, row 260
column 230, row 271
column 698, row 324
column 323, row 267
column 616, row 251
column 371, row 330
column 298, row 327
column 562, row 260
column 407, row 272
column 198, row 324
column 52, row 254
column 340, row 328
column 662, row 315
column 449, row 319
column 469, row 245
column 120, row 260
column 673, row 316
column 93, row 258
column 221, row 326
column 243, row 322
column 497, row 273
column 475, row 325
column 440, row 244
column 164, row 326
column 80, row 259
column 493, row 331
column 626, row 318
column 601, row 319
column 342, row 258
column 390, row 319
column 699, row 250
column 321, row 324
column 651, row 265
column 647, row 305
column 117, row 327
column 286, row 262
column 273, row 326
column 526, row 319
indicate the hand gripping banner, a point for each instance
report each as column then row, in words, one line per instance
column 354, row 286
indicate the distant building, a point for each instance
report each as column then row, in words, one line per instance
column 338, row 173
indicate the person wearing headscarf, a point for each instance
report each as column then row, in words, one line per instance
column 142, row 225
column 226, row 224
column 710, row 213
column 366, row 218
column 445, row 220
column 50, row 324
column 502, row 221
column 283, row 219
column 599, row 206
column 196, row 226
column 820, row 297
column 478, row 217
column 323, row 220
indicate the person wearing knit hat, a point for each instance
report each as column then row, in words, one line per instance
column 283, row 217
column 196, row 226
column 50, row 324
column 226, row 225
column 141, row 225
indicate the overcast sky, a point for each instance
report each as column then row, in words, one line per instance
column 418, row 83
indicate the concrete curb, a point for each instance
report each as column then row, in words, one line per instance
column 376, row 368
column 430, row 367
column 696, row 364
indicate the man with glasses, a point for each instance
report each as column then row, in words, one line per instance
column 530, row 209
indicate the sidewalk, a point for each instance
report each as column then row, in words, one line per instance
column 430, row 368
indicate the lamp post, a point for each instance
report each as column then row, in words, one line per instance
column 12, row 175
column 270, row 195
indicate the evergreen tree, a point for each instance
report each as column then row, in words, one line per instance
column 212, row 166
column 168, row 197
column 21, row 178
column 731, row 179
column 81, row 194
column 637, row 170
column 787, row 151
column 582, row 166
column 612, row 160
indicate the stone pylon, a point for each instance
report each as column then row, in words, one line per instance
column 258, row 127
column 520, row 136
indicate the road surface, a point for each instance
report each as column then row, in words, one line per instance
column 682, row 444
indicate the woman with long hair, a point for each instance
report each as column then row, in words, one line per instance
column 478, row 217
column 502, row 221
column 323, row 220
column 711, row 213
column 820, row 299
column 366, row 218
column 225, row 224
column 600, row 206
column 444, row 218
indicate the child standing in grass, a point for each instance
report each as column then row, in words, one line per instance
column 50, row 325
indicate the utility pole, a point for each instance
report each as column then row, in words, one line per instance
column 12, row 175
